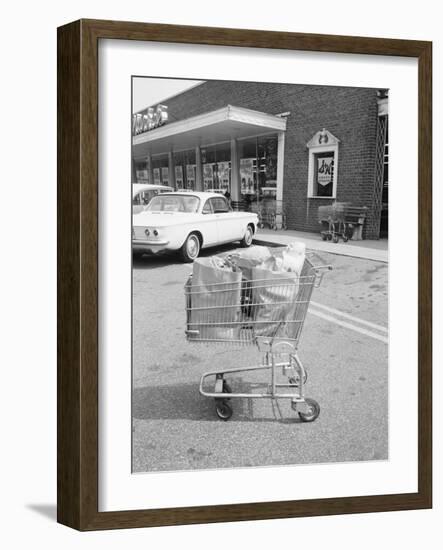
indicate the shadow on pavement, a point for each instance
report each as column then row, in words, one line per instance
column 184, row 402
column 161, row 260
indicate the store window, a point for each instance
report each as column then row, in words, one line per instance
column 216, row 165
column 160, row 170
column 258, row 168
column 323, row 174
column 141, row 172
column 185, row 169
column 323, row 162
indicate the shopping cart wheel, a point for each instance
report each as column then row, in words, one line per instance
column 329, row 236
column 223, row 410
column 345, row 239
column 323, row 237
column 313, row 410
column 335, row 239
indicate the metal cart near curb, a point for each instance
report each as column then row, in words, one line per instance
column 272, row 214
column 267, row 313
column 334, row 216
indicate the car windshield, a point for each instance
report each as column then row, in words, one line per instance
column 174, row 203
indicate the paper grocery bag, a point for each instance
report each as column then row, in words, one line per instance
column 215, row 301
column 274, row 303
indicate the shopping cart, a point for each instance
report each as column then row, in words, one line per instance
column 334, row 215
column 267, row 313
column 273, row 214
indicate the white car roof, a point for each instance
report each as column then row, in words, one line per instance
column 203, row 195
column 137, row 187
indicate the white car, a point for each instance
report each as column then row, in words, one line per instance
column 142, row 193
column 189, row 221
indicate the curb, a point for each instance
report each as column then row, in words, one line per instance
column 274, row 244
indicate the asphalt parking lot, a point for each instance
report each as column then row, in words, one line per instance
column 343, row 346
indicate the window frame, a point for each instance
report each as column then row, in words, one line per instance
column 209, row 203
column 221, row 197
column 313, row 152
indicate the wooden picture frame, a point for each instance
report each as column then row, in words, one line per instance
column 77, row 174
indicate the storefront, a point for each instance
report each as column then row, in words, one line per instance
column 232, row 150
column 307, row 146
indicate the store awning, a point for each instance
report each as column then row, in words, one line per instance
column 213, row 127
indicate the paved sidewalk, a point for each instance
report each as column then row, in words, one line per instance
column 369, row 250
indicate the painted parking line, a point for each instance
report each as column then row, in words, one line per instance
column 350, row 326
column 357, row 320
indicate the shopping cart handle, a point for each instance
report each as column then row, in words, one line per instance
column 320, row 272
column 192, row 332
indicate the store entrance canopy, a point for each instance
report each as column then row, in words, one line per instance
column 214, row 127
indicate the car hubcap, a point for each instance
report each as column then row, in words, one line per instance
column 192, row 247
column 248, row 236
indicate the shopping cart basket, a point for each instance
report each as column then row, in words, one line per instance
column 334, row 215
column 273, row 214
column 267, row 313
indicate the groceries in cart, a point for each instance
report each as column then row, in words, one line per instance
column 333, row 216
column 259, row 296
column 246, row 294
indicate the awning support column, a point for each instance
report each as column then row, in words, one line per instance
column 171, row 170
column 198, row 170
column 280, row 164
column 150, row 170
column 235, row 172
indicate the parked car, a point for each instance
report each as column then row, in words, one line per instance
column 142, row 193
column 187, row 222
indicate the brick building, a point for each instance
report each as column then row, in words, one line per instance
column 303, row 145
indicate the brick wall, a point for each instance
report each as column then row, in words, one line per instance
column 349, row 113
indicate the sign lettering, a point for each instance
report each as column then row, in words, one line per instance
column 153, row 118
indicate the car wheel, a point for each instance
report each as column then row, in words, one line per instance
column 137, row 255
column 247, row 239
column 191, row 248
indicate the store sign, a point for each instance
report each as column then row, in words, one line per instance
column 154, row 117
column 142, row 175
column 179, row 177
column 325, row 169
column 190, row 176
column 165, row 175
column 223, row 176
column 156, row 173
column 247, row 176
column 208, row 176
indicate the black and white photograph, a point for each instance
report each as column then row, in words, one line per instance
column 260, row 274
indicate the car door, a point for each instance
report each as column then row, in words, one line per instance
column 209, row 227
column 228, row 224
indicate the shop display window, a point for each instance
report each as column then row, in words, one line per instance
column 160, row 170
column 323, row 165
column 323, row 174
column 261, row 152
column 216, row 166
column 185, row 171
